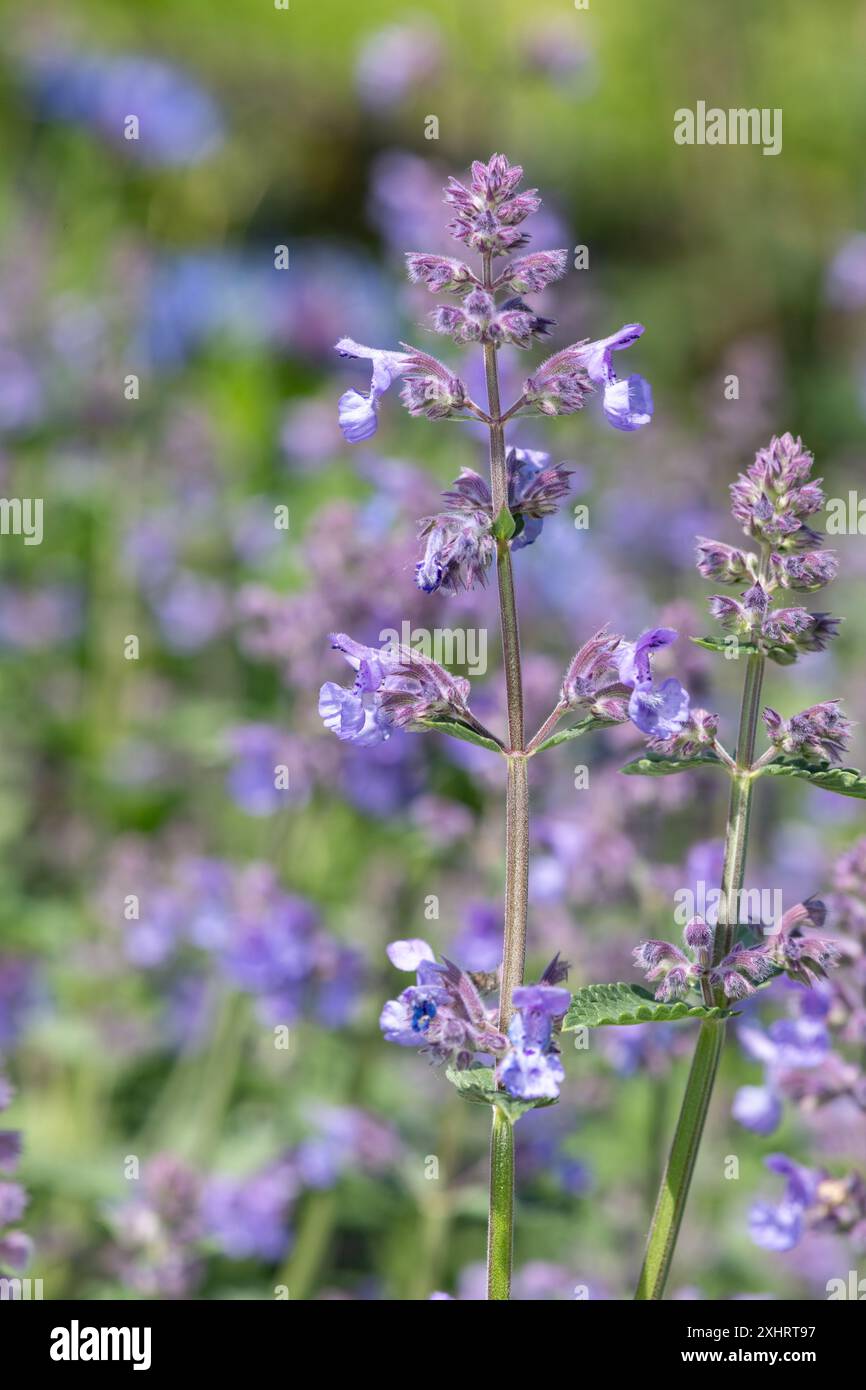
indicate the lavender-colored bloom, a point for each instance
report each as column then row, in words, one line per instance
column 460, row 545
column 727, row 563
column 659, row 712
column 697, row 733
column 818, row 734
column 592, row 681
column 774, row 495
column 532, row 273
column 804, row 955
column 358, row 414
column 532, row 1069
column 441, row 274
column 560, row 385
column 430, row 387
column 155, row 1233
column 459, row 549
column 488, row 212
column 346, row 1139
column 808, row 570
column 442, row 1013
column 736, row 975
column 397, row 688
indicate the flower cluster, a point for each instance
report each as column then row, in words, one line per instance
column 771, row 501
column 395, row 688
column 444, row 1015
column 488, row 218
column 804, row 958
column 459, row 541
column 818, row 734
column 610, row 678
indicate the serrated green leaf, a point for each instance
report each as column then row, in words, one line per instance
column 461, row 731
column 658, row 765
column 585, row 726
column 476, row 1085
column 619, row 1004
column 504, row 526
column 845, row 781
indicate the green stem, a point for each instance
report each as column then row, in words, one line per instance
column 677, row 1177
column 501, row 1221
column 501, row 1212
column 301, row 1269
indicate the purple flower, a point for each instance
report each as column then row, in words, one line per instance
column 560, row 385
column 818, row 734
column 532, row 1070
column 659, row 712
column 532, row 273
column 459, row 549
column 774, row 495
column 488, row 212
column 357, row 413
column 442, row 1013
column 396, row 688
column 592, row 681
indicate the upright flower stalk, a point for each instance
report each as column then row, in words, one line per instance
column 443, row 1013
column 771, row 501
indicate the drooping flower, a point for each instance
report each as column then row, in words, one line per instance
column 395, row 688
column 358, row 415
column 560, row 385
column 459, row 549
column 818, row 734
column 659, row 711
column 532, row 1069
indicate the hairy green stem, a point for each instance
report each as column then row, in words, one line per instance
column 501, row 1210
column 677, row 1176
column 501, row 1219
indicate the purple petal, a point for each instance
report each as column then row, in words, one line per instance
column 757, row 1108
column 408, row 955
column 628, row 404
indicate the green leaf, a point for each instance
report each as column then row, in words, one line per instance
column 504, row 526
column 726, row 644
column 657, row 765
column 461, row 731
column 620, row 1004
column 847, row 781
column 585, row 726
column 783, row 656
column 476, row 1084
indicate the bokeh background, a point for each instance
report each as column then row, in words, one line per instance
column 163, row 907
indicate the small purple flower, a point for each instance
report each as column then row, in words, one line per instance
column 592, row 681
column 772, row 498
column 532, row 273
column 442, row 1013
column 532, row 1069
column 358, row 415
column 818, row 734
column 658, row 712
column 395, row 688
column 560, row 385
column 247, row 1217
